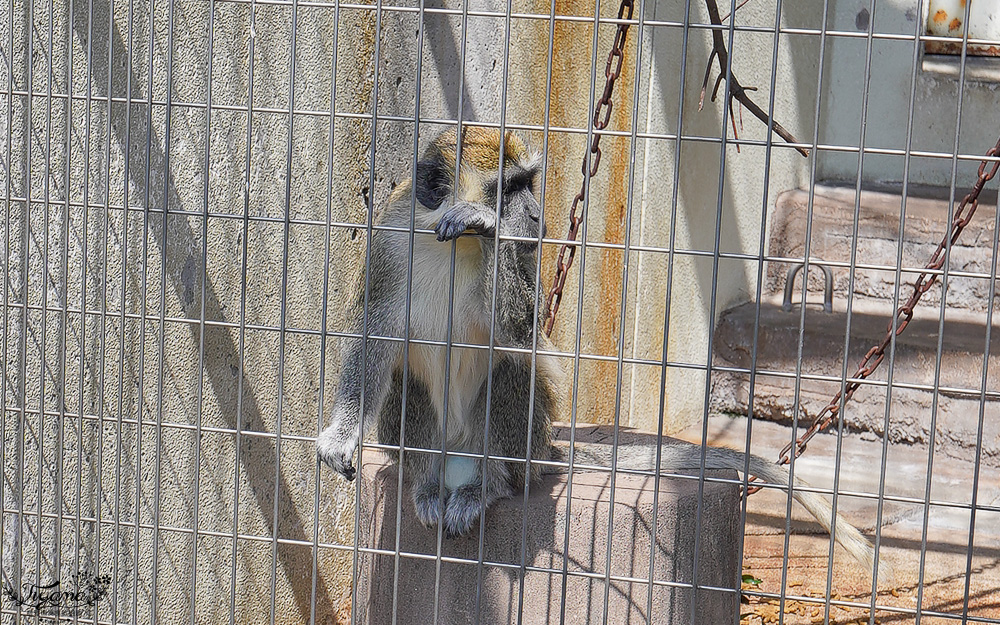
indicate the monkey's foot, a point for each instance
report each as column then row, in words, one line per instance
column 427, row 503
column 337, row 450
column 465, row 505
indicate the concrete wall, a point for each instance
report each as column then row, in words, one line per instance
column 935, row 106
column 111, row 349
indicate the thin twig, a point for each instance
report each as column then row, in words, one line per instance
column 733, row 87
column 738, row 7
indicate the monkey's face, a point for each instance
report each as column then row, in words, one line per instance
column 520, row 214
column 481, row 197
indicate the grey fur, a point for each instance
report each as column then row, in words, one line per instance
column 682, row 456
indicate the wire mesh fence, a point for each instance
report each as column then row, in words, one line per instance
column 194, row 196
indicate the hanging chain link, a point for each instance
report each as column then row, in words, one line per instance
column 568, row 251
column 963, row 215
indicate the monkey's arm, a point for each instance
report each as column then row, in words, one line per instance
column 516, row 298
column 465, row 216
column 364, row 381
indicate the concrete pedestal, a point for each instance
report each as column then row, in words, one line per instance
column 495, row 589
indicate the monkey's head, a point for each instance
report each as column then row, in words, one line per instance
column 479, row 178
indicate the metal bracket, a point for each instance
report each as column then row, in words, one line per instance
column 786, row 305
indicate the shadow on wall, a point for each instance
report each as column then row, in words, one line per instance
column 183, row 266
column 444, row 48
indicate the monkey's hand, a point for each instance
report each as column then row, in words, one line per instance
column 335, row 447
column 462, row 217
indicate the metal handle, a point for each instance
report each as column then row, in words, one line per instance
column 786, row 305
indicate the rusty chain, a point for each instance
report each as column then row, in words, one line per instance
column 924, row 282
column 568, row 251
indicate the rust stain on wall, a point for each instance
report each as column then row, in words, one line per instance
column 562, row 164
column 616, row 157
column 612, row 178
column 571, row 41
column 570, row 96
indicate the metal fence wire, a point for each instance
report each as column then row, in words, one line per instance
column 221, row 224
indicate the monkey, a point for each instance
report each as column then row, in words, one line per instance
column 463, row 209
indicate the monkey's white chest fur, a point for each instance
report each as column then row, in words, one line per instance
column 429, row 320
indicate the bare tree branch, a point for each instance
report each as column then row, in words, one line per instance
column 734, row 89
column 738, row 7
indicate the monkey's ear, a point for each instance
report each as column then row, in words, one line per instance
column 432, row 181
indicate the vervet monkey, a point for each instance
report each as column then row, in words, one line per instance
column 451, row 209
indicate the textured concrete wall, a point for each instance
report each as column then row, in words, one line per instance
column 125, row 292
column 707, row 217
column 145, row 406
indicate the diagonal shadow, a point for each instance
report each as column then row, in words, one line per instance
column 440, row 36
column 180, row 238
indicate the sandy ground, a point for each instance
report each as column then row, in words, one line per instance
column 950, row 582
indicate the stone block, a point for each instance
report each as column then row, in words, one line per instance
column 506, row 578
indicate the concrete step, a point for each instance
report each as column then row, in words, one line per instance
column 954, row 409
column 949, row 395
column 876, row 246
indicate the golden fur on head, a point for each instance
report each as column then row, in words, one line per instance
column 481, row 149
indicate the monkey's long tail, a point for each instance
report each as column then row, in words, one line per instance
column 848, row 536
